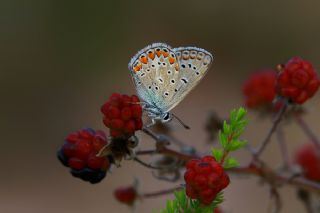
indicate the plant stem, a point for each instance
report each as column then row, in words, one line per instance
column 159, row 193
column 271, row 131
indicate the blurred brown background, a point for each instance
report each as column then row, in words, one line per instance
column 59, row 62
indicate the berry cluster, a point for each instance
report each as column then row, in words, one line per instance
column 122, row 114
column 298, row 80
column 205, row 178
column 79, row 153
column 260, row 88
column 126, row 195
column 308, row 158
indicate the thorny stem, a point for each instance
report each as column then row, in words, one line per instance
column 307, row 130
column 159, row 193
column 271, row 131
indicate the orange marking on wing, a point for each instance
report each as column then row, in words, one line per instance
column 137, row 68
column 151, row 55
column 144, row 59
column 185, row 57
column 177, row 67
column 165, row 54
column 171, row 60
column 158, row 53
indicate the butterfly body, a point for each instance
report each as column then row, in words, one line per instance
column 163, row 76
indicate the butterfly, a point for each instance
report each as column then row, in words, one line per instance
column 163, row 76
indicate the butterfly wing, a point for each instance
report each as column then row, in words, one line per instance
column 194, row 63
column 150, row 69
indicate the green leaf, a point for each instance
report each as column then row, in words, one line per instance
column 217, row 154
column 230, row 163
column 236, row 144
column 170, row 208
column 223, row 140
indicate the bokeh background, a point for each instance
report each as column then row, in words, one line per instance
column 60, row 60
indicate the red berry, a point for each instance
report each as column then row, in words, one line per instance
column 260, row 88
column 298, row 80
column 126, row 195
column 205, row 178
column 76, row 163
column 308, row 157
column 79, row 153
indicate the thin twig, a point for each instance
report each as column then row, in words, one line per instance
column 159, row 193
column 148, row 165
column 271, row 131
column 307, row 130
column 146, row 152
column 283, row 148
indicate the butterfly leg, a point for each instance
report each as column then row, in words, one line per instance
column 153, row 122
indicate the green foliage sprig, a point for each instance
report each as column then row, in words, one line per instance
column 229, row 138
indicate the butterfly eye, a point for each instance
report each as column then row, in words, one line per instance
column 194, row 68
column 167, row 117
column 166, row 94
column 183, row 65
column 197, row 73
column 173, row 81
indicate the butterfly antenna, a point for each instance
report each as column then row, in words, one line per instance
column 181, row 122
